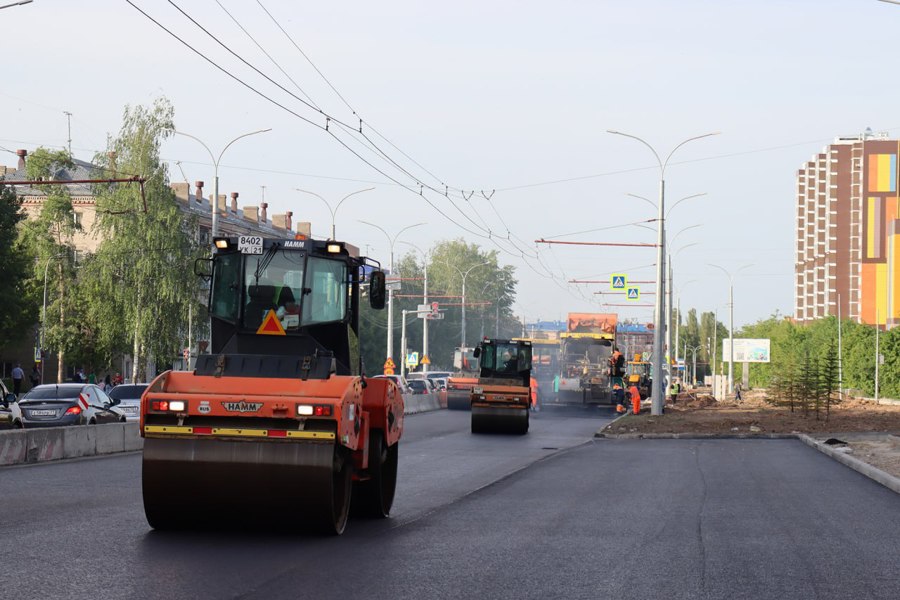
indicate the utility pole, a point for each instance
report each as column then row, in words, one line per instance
column 69, row 122
column 659, row 383
column 390, row 290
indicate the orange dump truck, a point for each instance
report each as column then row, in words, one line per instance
column 276, row 425
column 502, row 397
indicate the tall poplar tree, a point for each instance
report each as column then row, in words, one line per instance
column 49, row 240
column 145, row 262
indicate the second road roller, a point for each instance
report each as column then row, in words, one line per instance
column 502, row 396
column 277, row 425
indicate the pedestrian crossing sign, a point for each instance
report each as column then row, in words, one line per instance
column 618, row 281
column 633, row 293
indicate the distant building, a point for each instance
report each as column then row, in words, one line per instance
column 847, row 233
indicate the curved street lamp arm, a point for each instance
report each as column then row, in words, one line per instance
column 379, row 228
column 648, row 201
column 634, row 137
column 698, row 137
column 332, row 211
column 724, row 270
column 240, row 137
column 196, row 139
column 674, row 237
column 401, row 231
column 682, row 200
column 348, row 195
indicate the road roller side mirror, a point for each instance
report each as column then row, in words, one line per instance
column 376, row 290
column 476, row 352
column 203, row 267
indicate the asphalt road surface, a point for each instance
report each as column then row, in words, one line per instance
column 549, row 515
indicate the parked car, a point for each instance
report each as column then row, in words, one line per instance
column 10, row 412
column 128, row 399
column 420, row 386
column 52, row 405
column 399, row 380
column 439, row 375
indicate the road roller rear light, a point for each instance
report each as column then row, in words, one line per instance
column 314, row 410
column 167, row 406
column 477, row 390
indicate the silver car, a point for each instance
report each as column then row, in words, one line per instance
column 53, row 405
column 128, row 397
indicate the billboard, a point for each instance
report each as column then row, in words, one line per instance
column 592, row 323
column 747, row 350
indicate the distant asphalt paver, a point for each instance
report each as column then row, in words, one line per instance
column 549, row 515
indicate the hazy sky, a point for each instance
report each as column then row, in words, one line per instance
column 510, row 97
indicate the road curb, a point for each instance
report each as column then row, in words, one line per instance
column 694, row 436
column 873, row 473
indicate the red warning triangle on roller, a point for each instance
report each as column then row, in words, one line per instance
column 271, row 325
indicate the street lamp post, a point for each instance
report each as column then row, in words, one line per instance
column 390, row 323
column 464, row 275
column 730, row 323
column 424, row 301
column 694, row 368
column 659, row 314
column 214, row 226
column 334, row 210
column 44, row 312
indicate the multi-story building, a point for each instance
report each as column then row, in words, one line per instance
column 232, row 221
column 848, row 226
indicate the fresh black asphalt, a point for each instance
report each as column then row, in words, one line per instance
column 553, row 514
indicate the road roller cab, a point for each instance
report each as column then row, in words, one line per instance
column 277, row 423
column 501, row 399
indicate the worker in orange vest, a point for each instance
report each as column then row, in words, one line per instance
column 635, row 398
column 533, row 385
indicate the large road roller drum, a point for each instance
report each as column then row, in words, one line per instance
column 228, row 483
column 499, row 419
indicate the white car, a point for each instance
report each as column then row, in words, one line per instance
column 10, row 413
column 129, row 397
column 399, row 380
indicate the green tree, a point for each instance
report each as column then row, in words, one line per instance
column 49, row 239
column 490, row 294
column 144, row 263
column 18, row 300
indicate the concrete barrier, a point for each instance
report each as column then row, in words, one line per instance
column 417, row 403
column 54, row 443
column 19, row 446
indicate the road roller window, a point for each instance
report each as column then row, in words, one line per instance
column 327, row 297
column 274, row 282
column 226, row 285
